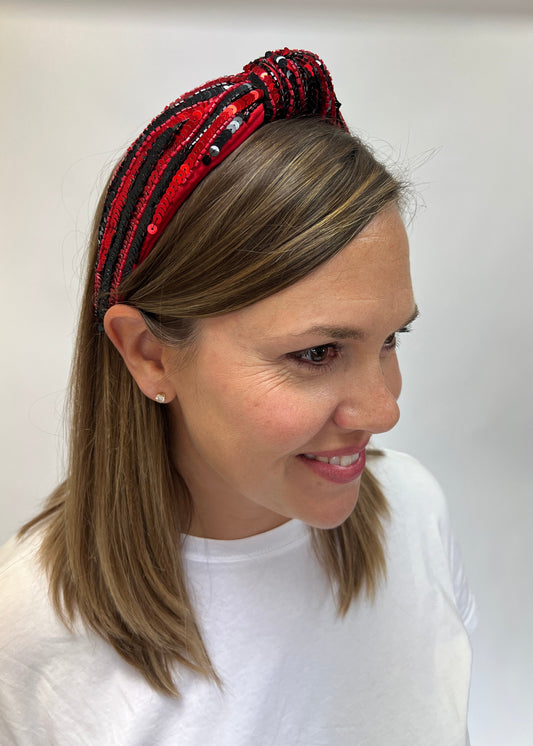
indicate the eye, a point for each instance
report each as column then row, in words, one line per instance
column 317, row 356
column 391, row 342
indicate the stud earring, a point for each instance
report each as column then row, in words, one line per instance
column 160, row 398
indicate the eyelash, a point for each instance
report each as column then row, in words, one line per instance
column 391, row 343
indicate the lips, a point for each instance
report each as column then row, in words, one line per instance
column 340, row 467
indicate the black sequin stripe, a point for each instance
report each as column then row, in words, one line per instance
column 319, row 88
column 169, row 173
column 278, row 72
column 148, row 214
column 297, row 80
column 198, row 97
column 301, row 76
column 160, row 145
column 233, row 97
column 201, row 96
column 293, row 77
column 258, row 83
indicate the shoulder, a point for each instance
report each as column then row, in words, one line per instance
column 20, row 575
column 28, row 619
column 46, row 669
column 407, row 484
column 418, row 508
column 29, row 631
column 419, row 535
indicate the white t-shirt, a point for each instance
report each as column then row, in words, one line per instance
column 390, row 673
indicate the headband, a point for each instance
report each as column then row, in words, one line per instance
column 186, row 141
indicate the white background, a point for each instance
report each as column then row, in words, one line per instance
column 447, row 96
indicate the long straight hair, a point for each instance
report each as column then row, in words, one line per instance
column 287, row 200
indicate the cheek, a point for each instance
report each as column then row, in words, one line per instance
column 256, row 409
column 284, row 418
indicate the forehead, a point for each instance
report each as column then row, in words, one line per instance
column 368, row 281
column 374, row 263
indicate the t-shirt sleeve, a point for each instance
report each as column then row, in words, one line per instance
column 400, row 473
column 464, row 597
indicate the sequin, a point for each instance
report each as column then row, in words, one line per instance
column 282, row 84
column 234, row 125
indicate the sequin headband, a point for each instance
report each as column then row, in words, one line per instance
column 189, row 138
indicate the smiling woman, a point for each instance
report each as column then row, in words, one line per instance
column 279, row 416
column 227, row 562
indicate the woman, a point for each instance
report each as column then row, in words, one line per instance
column 223, row 565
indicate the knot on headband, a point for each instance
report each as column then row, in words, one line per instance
column 189, row 138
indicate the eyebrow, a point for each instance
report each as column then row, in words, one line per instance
column 348, row 332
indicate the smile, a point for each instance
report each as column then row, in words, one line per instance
column 335, row 460
column 340, row 468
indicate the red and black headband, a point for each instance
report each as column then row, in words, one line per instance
column 190, row 137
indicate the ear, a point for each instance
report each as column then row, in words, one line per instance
column 143, row 354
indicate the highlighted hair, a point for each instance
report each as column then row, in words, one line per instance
column 290, row 197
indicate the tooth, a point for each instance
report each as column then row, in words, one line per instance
column 349, row 460
column 335, row 460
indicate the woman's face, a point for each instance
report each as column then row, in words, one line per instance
column 276, row 405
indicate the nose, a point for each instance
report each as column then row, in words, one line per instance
column 368, row 404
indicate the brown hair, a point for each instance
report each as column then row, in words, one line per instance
column 293, row 195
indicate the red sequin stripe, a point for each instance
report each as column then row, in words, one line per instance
column 296, row 98
column 197, row 115
column 192, row 116
column 294, row 64
column 196, row 112
column 149, row 135
column 123, row 191
column 298, row 84
column 271, row 78
column 326, row 98
column 120, row 199
column 183, row 185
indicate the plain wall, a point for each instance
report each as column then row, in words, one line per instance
column 450, row 99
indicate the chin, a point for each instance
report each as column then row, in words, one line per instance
column 328, row 524
column 330, row 516
column 331, row 511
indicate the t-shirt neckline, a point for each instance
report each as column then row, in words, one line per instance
column 278, row 539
